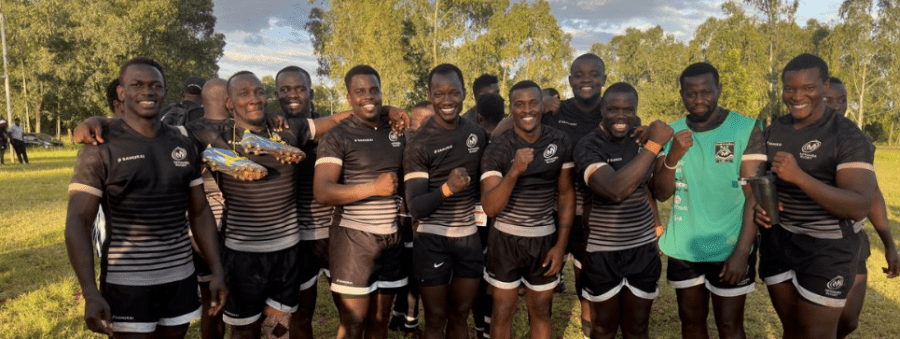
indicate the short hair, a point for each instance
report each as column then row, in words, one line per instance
column 591, row 57
column 491, row 107
column 294, row 69
column 421, row 105
column 360, row 70
column 619, row 87
column 699, row 68
column 807, row 61
column 112, row 94
column 552, row 91
column 481, row 82
column 523, row 85
column 142, row 61
column 446, row 69
column 235, row 75
column 835, row 81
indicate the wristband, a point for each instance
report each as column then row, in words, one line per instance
column 652, row 146
column 445, row 190
column 667, row 165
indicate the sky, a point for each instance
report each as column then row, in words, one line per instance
column 269, row 36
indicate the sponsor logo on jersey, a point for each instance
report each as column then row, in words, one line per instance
column 773, row 144
column 573, row 124
column 443, row 149
column 178, row 156
column 808, row 148
column 363, row 140
column 472, row 142
column 550, row 154
column 133, row 157
column 724, row 151
column 395, row 140
column 832, row 287
column 613, row 160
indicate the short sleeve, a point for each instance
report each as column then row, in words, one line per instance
column 569, row 150
column 303, row 129
column 90, row 172
column 494, row 159
column 855, row 151
column 756, row 146
column 330, row 149
column 415, row 161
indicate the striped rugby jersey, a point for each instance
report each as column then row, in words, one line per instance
column 144, row 188
column 529, row 212
column 829, row 145
column 431, row 155
column 364, row 153
column 261, row 215
column 614, row 226
column 312, row 217
column 576, row 124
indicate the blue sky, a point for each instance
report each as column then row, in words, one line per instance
column 270, row 35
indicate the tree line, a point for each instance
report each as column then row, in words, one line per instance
column 63, row 53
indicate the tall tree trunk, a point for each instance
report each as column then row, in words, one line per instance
column 24, row 89
column 437, row 5
column 862, row 96
column 891, row 134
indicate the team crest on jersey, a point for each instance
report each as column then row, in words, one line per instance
column 178, row 156
column 724, row 151
column 808, row 148
column 395, row 140
column 472, row 142
column 550, row 154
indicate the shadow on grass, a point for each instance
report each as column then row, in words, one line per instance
column 24, row 270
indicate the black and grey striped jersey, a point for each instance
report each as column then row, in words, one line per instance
column 533, row 200
column 364, row 153
column 431, row 155
column 822, row 149
column 313, row 218
column 614, row 226
column 576, row 124
column 144, row 188
column 261, row 215
column 204, row 132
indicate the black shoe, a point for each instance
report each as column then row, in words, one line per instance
column 560, row 288
column 396, row 323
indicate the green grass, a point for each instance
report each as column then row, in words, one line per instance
column 40, row 298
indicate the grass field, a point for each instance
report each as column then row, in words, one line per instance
column 40, row 298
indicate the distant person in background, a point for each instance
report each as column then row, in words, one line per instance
column 491, row 109
column 552, row 106
column 485, row 84
column 836, row 99
column 18, row 140
column 112, row 99
column 419, row 114
column 4, row 141
column 189, row 109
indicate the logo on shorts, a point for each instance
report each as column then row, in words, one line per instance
column 395, row 140
column 808, row 148
column 439, row 265
column 835, row 283
column 550, row 154
column 472, row 142
column 178, row 156
column 725, row 151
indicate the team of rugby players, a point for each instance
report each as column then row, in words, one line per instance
column 469, row 212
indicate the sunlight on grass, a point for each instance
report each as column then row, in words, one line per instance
column 40, row 298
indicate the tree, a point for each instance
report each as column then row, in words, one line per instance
column 778, row 21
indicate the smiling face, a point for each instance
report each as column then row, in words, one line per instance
column 142, row 91
column 294, row 94
column 526, row 108
column 619, row 114
column 446, row 93
column 586, row 78
column 247, row 100
column 700, row 95
column 836, row 98
column 803, row 94
column 364, row 96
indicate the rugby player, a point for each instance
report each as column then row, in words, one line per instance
column 622, row 266
column 825, row 181
column 701, row 170
column 484, row 84
column 527, row 171
column 357, row 170
column 145, row 178
column 836, row 99
column 438, row 162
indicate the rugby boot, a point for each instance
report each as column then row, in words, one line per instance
column 285, row 153
column 229, row 162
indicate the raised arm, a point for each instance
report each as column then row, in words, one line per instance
column 329, row 192
column 496, row 187
column 664, row 176
column 421, row 202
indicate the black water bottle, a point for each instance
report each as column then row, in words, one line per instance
column 766, row 196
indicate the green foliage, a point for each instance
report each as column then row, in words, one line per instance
column 67, row 52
